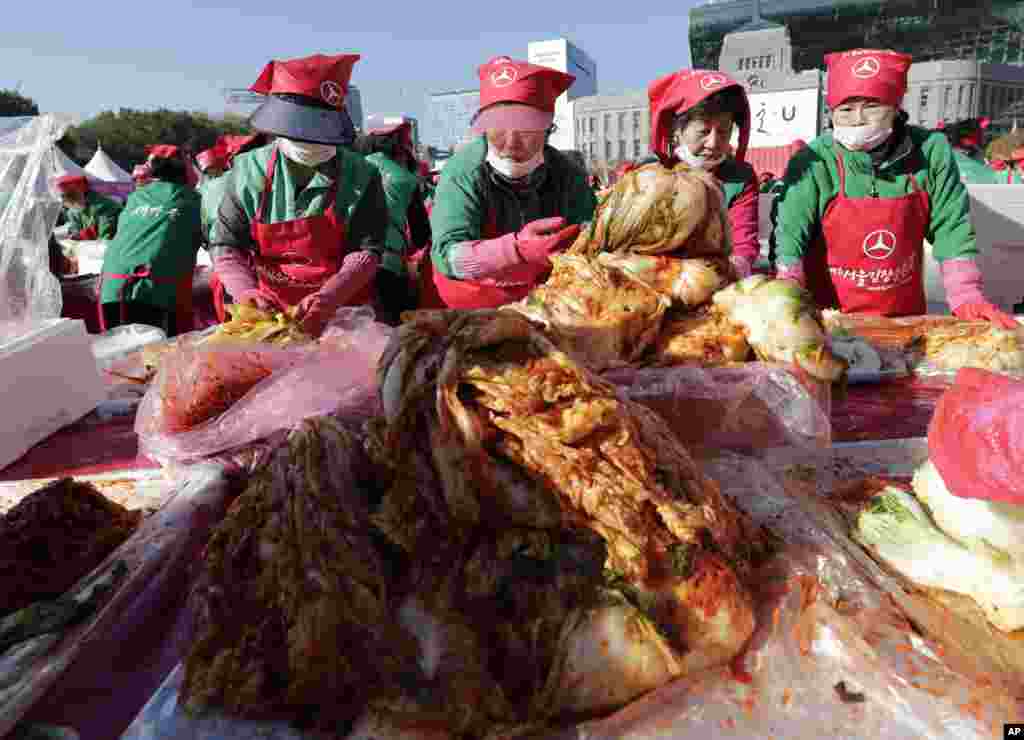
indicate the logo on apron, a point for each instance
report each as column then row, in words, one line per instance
column 880, row 244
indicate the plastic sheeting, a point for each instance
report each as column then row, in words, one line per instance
column 747, row 408
column 832, row 655
column 337, row 373
column 29, row 159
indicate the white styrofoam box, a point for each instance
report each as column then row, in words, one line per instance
column 121, row 340
column 50, row 380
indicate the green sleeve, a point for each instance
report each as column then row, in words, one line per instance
column 582, row 201
column 107, row 214
column 950, row 230
column 457, row 217
column 74, row 220
column 797, row 208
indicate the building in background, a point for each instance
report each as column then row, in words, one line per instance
column 989, row 31
column 448, row 117
column 787, row 103
column 609, row 129
column 565, row 56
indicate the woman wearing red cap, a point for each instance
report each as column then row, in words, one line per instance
column 859, row 202
column 506, row 201
column 148, row 267
column 214, row 163
column 693, row 115
column 965, row 138
column 89, row 214
column 388, row 146
column 303, row 221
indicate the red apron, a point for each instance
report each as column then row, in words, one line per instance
column 182, row 300
column 295, row 258
column 870, row 256
column 440, row 291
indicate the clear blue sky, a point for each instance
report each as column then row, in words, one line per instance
column 87, row 57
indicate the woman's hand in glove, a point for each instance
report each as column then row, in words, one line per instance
column 313, row 314
column 539, row 239
column 985, row 311
column 258, row 299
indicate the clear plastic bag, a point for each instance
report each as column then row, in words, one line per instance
column 29, row 159
column 747, row 408
column 211, row 399
column 832, row 655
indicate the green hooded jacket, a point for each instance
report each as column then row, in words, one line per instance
column 160, row 227
column 812, row 182
column 471, row 195
column 99, row 211
column 400, row 187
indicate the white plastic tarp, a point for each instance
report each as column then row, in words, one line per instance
column 102, row 167
column 29, row 160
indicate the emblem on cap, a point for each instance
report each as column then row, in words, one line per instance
column 710, row 82
column 880, row 244
column 330, row 91
column 866, row 68
column 504, row 77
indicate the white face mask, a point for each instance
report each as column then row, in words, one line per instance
column 512, row 169
column 861, row 138
column 311, row 155
column 695, row 160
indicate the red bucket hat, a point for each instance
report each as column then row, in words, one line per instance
column 318, row 113
column 528, row 90
column 867, row 73
column 678, row 92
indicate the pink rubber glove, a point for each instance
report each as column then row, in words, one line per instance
column 962, row 280
column 743, row 266
column 794, row 272
column 236, row 273
column 539, row 239
column 985, row 311
column 258, row 299
column 315, row 310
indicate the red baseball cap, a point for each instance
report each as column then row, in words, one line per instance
column 867, row 73
column 163, row 151
column 526, row 91
column 678, row 92
column 318, row 114
column 72, row 183
column 215, row 156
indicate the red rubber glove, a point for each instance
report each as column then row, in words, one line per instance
column 539, row 239
column 258, row 299
column 87, row 235
column 985, row 311
column 315, row 311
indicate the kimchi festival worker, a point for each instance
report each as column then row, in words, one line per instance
column 303, row 220
column 859, row 202
column 506, row 200
column 693, row 115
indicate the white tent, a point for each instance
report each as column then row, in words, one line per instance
column 102, row 167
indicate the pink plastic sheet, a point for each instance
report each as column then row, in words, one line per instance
column 336, row 376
